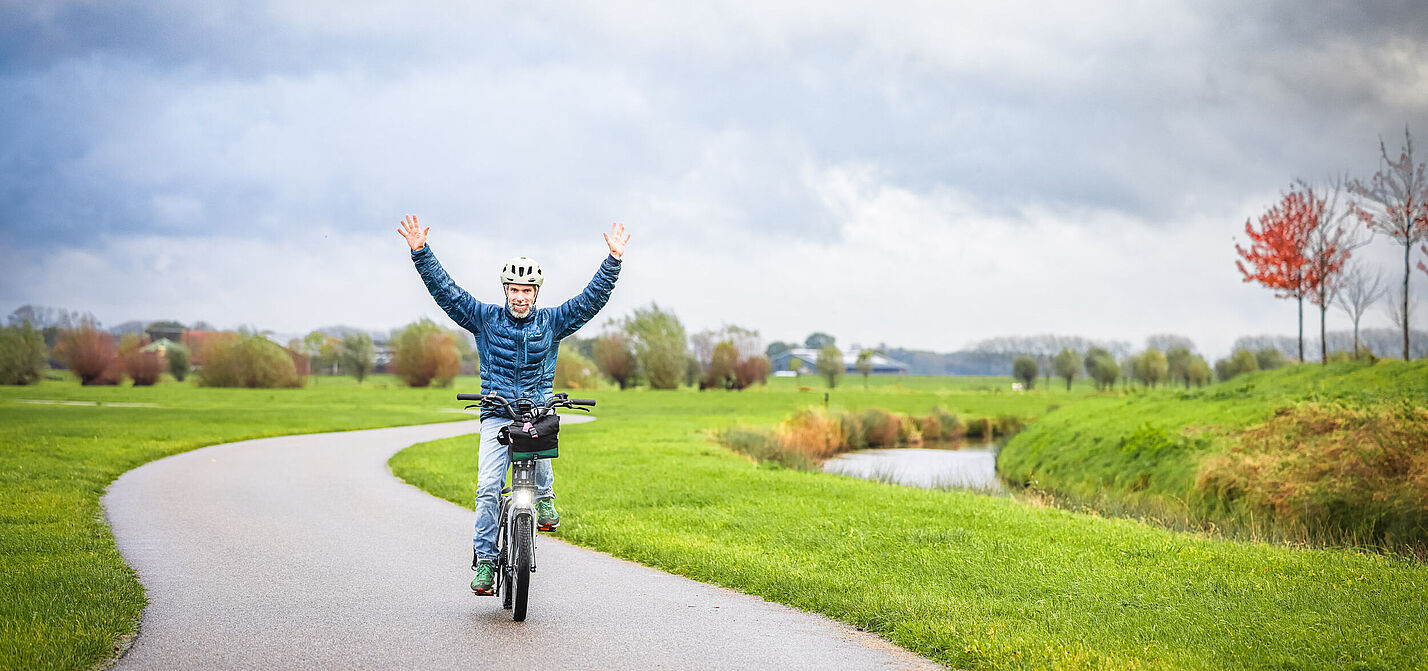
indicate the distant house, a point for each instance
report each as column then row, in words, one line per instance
column 385, row 354
column 170, row 331
column 161, row 346
column 808, row 358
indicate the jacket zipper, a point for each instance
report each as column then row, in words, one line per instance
column 525, row 351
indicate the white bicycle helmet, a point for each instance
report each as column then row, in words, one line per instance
column 522, row 270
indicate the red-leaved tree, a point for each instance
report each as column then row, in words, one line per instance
column 1277, row 257
column 1395, row 202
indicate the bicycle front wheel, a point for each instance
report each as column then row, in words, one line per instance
column 522, row 544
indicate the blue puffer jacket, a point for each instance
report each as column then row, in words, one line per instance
column 517, row 355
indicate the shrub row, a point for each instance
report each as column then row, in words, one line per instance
column 144, row 368
column 573, row 371
column 812, row 435
column 246, row 360
column 426, row 354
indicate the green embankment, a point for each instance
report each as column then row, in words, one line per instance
column 970, row 581
column 66, row 596
column 1328, row 454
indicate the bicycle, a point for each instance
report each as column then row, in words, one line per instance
column 535, row 437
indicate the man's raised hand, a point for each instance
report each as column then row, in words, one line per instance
column 616, row 239
column 415, row 235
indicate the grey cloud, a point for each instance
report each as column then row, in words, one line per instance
column 183, row 118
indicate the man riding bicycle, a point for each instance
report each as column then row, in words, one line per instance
column 517, row 344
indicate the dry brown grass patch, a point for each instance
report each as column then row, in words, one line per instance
column 1332, row 472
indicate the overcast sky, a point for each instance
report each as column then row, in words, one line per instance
column 924, row 174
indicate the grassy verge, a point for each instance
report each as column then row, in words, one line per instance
column 65, row 594
column 972, row 582
column 1313, row 454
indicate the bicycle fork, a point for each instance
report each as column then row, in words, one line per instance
column 522, row 506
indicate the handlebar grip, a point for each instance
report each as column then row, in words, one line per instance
column 581, row 401
column 468, row 397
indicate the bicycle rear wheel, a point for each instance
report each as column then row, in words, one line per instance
column 503, row 563
column 506, row 586
column 522, row 566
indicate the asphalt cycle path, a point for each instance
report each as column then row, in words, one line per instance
column 305, row 552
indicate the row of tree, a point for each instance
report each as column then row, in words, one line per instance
column 1302, row 245
column 1151, row 367
column 650, row 347
column 95, row 356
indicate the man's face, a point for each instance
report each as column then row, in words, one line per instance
column 521, row 298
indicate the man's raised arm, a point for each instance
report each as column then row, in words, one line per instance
column 574, row 313
column 459, row 305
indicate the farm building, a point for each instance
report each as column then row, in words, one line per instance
column 882, row 364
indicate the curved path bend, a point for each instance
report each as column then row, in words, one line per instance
column 305, row 552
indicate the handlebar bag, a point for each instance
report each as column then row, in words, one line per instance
column 534, row 440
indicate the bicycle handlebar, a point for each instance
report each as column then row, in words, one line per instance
column 525, row 404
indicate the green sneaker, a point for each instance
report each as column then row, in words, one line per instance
column 546, row 517
column 485, row 578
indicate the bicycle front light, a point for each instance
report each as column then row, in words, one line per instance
column 521, row 497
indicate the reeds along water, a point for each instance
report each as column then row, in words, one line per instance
column 813, row 435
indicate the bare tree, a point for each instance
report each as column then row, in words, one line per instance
column 702, row 346
column 746, row 341
column 1395, row 202
column 1400, row 311
column 1168, row 341
column 1331, row 242
column 1359, row 289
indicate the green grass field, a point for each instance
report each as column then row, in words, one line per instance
column 974, row 582
column 65, row 594
column 970, row 581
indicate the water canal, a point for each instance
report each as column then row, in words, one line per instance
column 973, row 467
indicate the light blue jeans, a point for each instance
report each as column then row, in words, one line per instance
column 492, row 463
